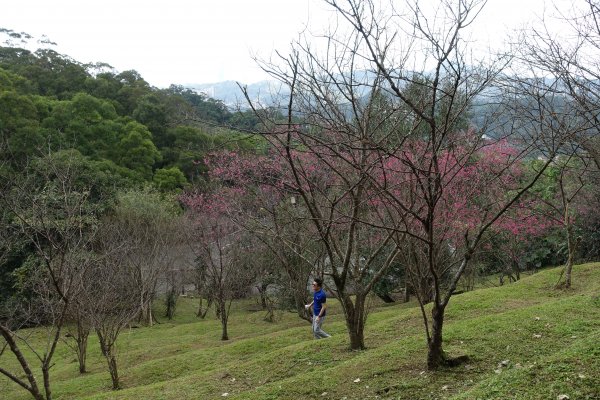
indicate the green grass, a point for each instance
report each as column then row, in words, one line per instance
column 549, row 338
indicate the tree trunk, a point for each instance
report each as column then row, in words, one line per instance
column 83, row 332
column 302, row 312
column 571, row 255
column 223, row 314
column 262, row 290
column 171, row 303
column 82, row 353
column 299, row 290
column 435, row 353
column 386, row 298
column 406, row 298
column 46, row 375
column 202, row 312
column 107, row 350
column 425, row 289
column 355, row 321
column 114, row 373
column 270, row 316
column 32, row 387
column 149, row 315
column 357, row 339
column 263, row 300
column 145, row 315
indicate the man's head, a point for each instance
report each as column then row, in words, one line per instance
column 317, row 284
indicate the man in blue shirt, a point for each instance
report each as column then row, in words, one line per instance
column 319, row 309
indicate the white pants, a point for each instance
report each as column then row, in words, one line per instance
column 318, row 333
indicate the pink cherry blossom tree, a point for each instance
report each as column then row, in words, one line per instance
column 384, row 151
column 219, row 245
column 262, row 201
column 447, row 201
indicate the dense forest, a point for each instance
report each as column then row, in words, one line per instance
column 114, row 129
column 117, row 122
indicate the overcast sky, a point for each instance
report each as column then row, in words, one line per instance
column 202, row 41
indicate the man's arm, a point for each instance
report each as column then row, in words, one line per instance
column 323, row 308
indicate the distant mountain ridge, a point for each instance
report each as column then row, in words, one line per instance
column 266, row 93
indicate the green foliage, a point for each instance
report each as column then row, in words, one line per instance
column 391, row 282
column 19, row 127
column 36, row 192
column 547, row 185
column 13, row 251
column 112, row 132
column 205, row 108
column 16, row 111
column 55, row 198
column 133, row 88
column 145, row 204
column 150, row 111
column 22, row 275
column 51, row 73
column 169, row 179
column 188, row 146
column 246, row 120
column 49, row 102
column 103, row 178
column 104, row 86
column 85, row 123
column 11, row 81
column 137, row 151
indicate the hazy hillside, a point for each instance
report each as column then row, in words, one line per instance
column 266, row 93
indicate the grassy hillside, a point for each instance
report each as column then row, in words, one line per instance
column 525, row 341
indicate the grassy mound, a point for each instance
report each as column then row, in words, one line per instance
column 524, row 340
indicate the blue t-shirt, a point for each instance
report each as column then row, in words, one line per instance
column 319, row 298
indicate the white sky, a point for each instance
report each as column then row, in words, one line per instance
column 202, row 41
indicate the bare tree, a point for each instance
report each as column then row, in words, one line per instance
column 357, row 116
column 293, row 251
column 53, row 214
column 568, row 195
column 107, row 303
column 569, row 62
column 330, row 162
column 385, row 114
column 203, row 287
column 134, row 249
column 112, row 303
column 290, row 250
column 79, row 325
column 152, row 230
column 262, row 202
column 568, row 201
column 220, row 247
